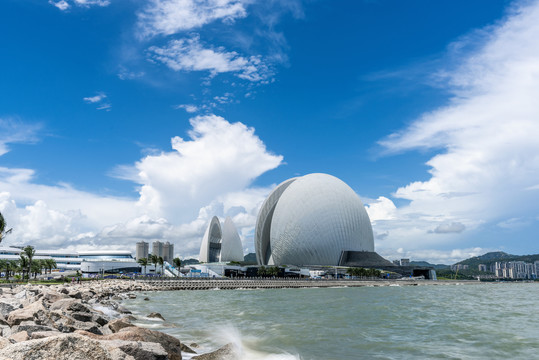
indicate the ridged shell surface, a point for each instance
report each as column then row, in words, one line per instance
column 316, row 218
column 232, row 249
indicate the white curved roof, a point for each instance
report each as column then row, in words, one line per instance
column 263, row 223
column 213, row 235
column 231, row 247
column 221, row 244
column 310, row 220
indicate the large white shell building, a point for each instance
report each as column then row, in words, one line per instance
column 315, row 219
column 221, row 244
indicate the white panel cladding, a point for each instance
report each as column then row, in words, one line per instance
column 263, row 223
column 231, row 249
column 312, row 221
column 213, row 234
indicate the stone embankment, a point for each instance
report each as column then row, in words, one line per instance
column 231, row 284
column 80, row 322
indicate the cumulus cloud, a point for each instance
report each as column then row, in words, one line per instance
column 381, row 209
column 488, row 161
column 191, row 55
column 208, row 174
column 166, row 17
column 14, row 131
column 220, row 157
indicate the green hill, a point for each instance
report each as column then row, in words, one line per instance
column 249, row 259
column 495, row 256
column 427, row 264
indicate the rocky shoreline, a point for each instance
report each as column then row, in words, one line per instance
column 83, row 321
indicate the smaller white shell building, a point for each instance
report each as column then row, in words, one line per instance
column 314, row 219
column 221, row 244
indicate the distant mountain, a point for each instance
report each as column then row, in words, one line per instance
column 427, row 264
column 190, row 262
column 500, row 256
column 249, row 259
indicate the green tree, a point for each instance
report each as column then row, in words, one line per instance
column 29, row 251
column 161, row 262
column 3, row 228
column 154, row 259
column 23, row 264
column 10, row 266
column 177, row 264
column 35, row 268
column 143, row 262
column 50, row 264
column 262, row 271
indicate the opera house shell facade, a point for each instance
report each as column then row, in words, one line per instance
column 221, row 244
column 315, row 219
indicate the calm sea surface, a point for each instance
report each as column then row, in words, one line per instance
column 481, row 321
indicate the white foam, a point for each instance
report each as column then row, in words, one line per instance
column 231, row 335
column 107, row 311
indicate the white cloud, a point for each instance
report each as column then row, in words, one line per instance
column 487, row 135
column 88, row 3
column 219, row 158
column 454, row 227
column 381, row 209
column 13, row 131
column 190, row 108
column 209, row 174
column 168, row 17
column 64, row 4
column 191, row 55
column 96, row 98
column 99, row 101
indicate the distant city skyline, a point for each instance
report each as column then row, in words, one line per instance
column 123, row 121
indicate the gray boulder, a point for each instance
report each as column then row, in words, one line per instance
column 118, row 324
column 35, row 309
column 7, row 305
column 172, row 345
column 63, row 347
column 227, row 352
column 156, row 315
column 69, row 305
column 138, row 349
column 44, row 334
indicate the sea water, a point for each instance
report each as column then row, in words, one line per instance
column 478, row 321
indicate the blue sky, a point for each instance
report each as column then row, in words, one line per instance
column 123, row 121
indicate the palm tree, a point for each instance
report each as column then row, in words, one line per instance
column 177, row 264
column 50, row 264
column 154, row 259
column 9, row 266
column 3, row 228
column 29, row 251
column 143, row 262
column 35, row 268
column 161, row 262
column 262, row 271
column 23, row 265
column 3, row 264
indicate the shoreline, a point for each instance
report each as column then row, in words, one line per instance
column 40, row 321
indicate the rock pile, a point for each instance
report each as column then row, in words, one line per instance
column 66, row 322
